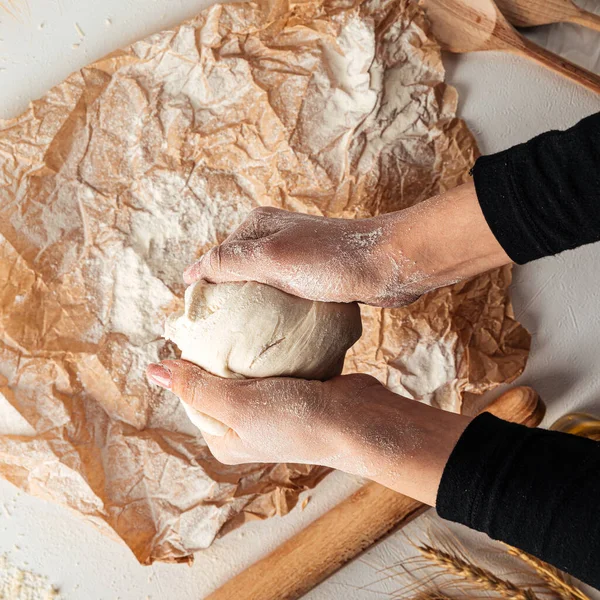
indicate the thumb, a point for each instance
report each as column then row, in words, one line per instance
column 237, row 260
column 196, row 387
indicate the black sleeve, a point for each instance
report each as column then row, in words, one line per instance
column 536, row 490
column 543, row 197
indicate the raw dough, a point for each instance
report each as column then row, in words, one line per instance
column 254, row 330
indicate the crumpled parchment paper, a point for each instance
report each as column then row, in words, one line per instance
column 122, row 175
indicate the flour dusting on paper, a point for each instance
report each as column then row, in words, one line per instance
column 121, row 176
column 428, row 371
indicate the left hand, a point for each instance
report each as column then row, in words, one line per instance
column 278, row 419
column 352, row 423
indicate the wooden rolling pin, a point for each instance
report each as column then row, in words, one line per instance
column 320, row 549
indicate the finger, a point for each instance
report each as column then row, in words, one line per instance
column 261, row 222
column 196, row 387
column 253, row 228
column 246, row 231
column 234, row 259
column 231, row 261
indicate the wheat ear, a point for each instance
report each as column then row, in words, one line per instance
column 456, row 565
column 555, row 580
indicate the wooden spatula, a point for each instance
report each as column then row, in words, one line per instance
column 474, row 25
column 530, row 13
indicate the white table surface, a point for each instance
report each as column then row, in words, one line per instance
column 505, row 100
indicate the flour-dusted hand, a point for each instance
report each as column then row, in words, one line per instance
column 277, row 419
column 332, row 260
column 389, row 260
column 351, row 422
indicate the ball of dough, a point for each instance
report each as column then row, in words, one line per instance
column 253, row 330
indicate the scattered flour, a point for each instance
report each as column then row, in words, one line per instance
column 19, row 584
column 138, row 298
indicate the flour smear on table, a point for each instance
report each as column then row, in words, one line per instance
column 21, row 584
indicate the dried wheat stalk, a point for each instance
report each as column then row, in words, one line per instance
column 456, row 565
column 556, row 581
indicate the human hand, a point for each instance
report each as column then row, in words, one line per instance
column 351, row 423
column 389, row 260
column 331, row 260
column 278, row 419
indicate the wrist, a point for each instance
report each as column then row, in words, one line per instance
column 400, row 443
column 447, row 238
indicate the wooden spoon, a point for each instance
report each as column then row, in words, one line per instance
column 474, row 25
column 530, row 13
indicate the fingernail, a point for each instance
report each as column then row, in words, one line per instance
column 159, row 375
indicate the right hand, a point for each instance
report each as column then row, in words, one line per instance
column 331, row 260
column 389, row 260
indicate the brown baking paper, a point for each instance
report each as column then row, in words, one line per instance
column 122, row 175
